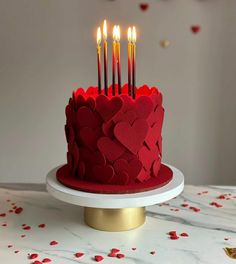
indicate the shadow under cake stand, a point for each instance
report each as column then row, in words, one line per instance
column 115, row 212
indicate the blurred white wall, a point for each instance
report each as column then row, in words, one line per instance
column 47, row 49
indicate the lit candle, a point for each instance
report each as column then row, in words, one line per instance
column 105, row 55
column 129, row 59
column 114, row 60
column 133, row 62
column 99, row 58
column 118, row 57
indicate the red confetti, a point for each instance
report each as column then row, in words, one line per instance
column 18, row 210
column 216, row 204
column 184, row 234
column 195, row 29
column 4, row 224
column 195, row 209
column 174, row 237
column 41, row 226
column 53, row 243
column 9, row 246
column 184, row 205
column 98, row 258
column 26, row 227
column 134, row 248
column 10, row 211
column 16, row 251
column 172, row 233
column 46, row 260
column 37, row 262
column 33, row 256
column 23, row 236
column 144, row 6
column 222, row 196
column 14, row 207
column 112, row 255
column 79, row 254
column 2, row 215
column 153, row 252
column 115, row 250
column 226, row 238
column 119, row 255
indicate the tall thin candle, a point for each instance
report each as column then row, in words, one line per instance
column 129, row 59
column 105, row 56
column 134, row 62
column 114, row 60
column 99, row 58
column 118, row 57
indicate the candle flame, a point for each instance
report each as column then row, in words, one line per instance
column 114, row 33
column 104, row 30
column 134, row 35
column 129, row 34
column 99, row 36
column 118, row 33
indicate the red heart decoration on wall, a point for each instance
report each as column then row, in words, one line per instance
column 144, row 6
column 103, row 174
column 195, row 29
column 108, row 108
column 131, row 137
column 112, row 150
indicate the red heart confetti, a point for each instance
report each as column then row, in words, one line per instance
column 195, row 29
column 18, row 210
column 33, row 256
column 41, row 226
column 53, row 243
column 16, row 251
column 216, row 204
column 98, row 258
column 27, row 228
column 79, row 254
column 37, row 262
column 144, row 6
column 2, row 215
column 184, row 235
column 153, row 252
column 112, row 255
column 46, row 260
column 120, row 255
column 195, row 209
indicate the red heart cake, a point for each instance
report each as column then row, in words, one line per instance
column 114, row 142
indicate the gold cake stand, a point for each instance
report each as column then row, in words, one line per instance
column 115, row 212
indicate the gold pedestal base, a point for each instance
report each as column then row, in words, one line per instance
column 114, row 219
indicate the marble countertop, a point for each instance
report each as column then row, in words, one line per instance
column 207, row 214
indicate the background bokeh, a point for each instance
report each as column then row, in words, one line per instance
column 47, row 49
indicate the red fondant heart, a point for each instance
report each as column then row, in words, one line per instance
column 103, row 174
column 111, row 149
column 75, row 155
column 156, row 167
column 89, row 136
column 153, row 134
column 121, row 178
column 156, row 117
column 70, row 114
column 87, row 118
column 108, row 128
column 108, row 108
column 90, row 102
column 69, row 161
column 143, row 176
column 147, row 157
column 95, row 157
column 143, row 106
column 132, row 168
column 81, row 169
column 131, row 137
column 144, row 6
column 195, row 29
column 130, row 116
column 159, row 145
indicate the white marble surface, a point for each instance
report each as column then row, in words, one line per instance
column 207, row 230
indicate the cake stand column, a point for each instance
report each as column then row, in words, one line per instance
column 113, row 220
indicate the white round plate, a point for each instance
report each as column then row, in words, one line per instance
column 112, row 201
